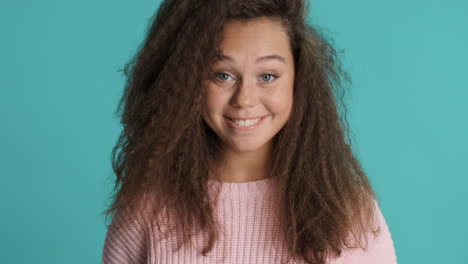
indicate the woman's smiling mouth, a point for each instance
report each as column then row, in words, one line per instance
column 245, row 124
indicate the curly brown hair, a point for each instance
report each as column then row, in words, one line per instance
column 163, row 155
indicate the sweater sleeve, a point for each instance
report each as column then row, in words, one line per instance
column 380, row 248
column 125, row 246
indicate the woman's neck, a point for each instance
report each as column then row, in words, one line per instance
column 245, row 166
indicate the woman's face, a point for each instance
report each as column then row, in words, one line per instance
column 249, row 96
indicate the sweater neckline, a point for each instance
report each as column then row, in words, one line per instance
column 260, row 187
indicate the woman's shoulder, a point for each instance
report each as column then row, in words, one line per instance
column 380, row 246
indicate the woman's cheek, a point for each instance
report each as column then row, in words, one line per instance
column 280, row 100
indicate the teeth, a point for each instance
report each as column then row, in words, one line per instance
column 248, row 122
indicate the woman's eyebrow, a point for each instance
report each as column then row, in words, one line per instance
column 259, row 60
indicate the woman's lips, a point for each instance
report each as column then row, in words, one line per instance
column 236, row 127
column 244, row 118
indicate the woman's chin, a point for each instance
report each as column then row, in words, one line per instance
column 246, row 146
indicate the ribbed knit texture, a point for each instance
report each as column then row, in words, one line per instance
column 250, row 219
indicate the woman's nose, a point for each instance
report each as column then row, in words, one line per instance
column 245, row 95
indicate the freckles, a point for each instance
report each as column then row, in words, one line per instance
column 211, row 94
column 281, row 96
column 210, row 101
column 278, row 105
column 216, row 98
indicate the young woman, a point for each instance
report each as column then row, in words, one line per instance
column 233, row 150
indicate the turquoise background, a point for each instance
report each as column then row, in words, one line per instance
column 60, row 84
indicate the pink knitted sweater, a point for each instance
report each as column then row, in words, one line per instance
column 250, row 222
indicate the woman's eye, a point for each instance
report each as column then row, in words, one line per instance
column 271, row 76
column 222, row 76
